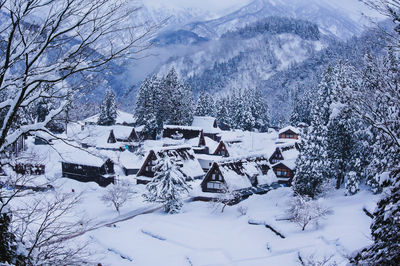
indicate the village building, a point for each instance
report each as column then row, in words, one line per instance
column 115, row 138
column 85, row 166
column 289, row 132
column 207, row 160
column 184, row 154
column 283, row 173
column 209, row 126
column 229, row 148
column 184, row 132
column 129, row 162
column 276, row 156
column 238, row 174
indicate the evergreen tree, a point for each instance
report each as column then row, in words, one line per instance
column 341, row 127
column 223, row 117
column 108, row 110
column 312, row 166
column 146, row 108
column 168, row 185
column 352, row 183
column 9, row 250
column 205, row 105
column 385, row 231
column 176, row 103
column 259, row 108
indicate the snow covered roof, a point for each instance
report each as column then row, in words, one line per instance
column 182, row 127
column 97, row 136
column 73, row 154
column 130, row 160
column 293, row 129
column 238, row 171
column 191, row 166
column 207, row 123
column 122, row 118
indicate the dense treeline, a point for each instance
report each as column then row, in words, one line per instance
column 277, row 25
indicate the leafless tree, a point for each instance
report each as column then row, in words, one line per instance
column 312, row 261
column 50, row 51
column 303, row 211
column 224, row 198
column 50, row 46
column 117, row 195
column 389, row 9
column 45, row 225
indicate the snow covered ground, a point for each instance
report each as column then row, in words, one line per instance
column 142, row 234
column 202, row 235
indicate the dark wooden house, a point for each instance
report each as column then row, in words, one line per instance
column 190, row 165
column 184, row 132
column 289, row 133
column 283, row 173
column 276, row 156
column 30, row 169
column 102, row 173
column 236, row 174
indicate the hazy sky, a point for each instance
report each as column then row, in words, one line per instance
column 353, row 7
column 213, row 6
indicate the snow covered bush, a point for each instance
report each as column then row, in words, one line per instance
column 303, row 211
column 117, row 195
column 310, row 260
column 168, row 185
column 242, row 210
column 352, row 183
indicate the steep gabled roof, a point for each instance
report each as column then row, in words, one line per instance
column 289, row 128
column 191, row 166
column 237, row 172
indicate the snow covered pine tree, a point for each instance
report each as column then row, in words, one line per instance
column 312, row 165
column 168, row 185
column 108, row 110
column 205, row 105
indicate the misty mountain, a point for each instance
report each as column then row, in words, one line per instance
column 248, row 47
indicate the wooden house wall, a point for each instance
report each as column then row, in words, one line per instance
column 87, row 173
column 221, row 150
column 146, row 169
column 213, row 181
column 213, row 136
column 30, row 169
column 276, row 156
column 129, row 171
column 288, row 134
column 283, row 172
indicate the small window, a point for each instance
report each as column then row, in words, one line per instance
column 214, row 185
